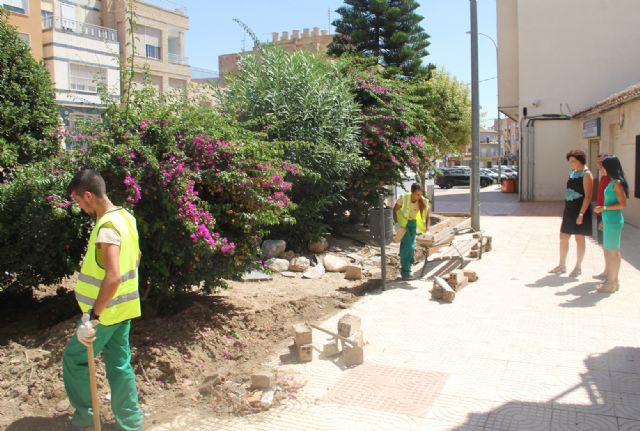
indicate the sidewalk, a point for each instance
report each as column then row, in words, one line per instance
column 517, row 350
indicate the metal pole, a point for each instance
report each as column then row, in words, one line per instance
column 383, row 243
column 499, row 148
column 475, row 120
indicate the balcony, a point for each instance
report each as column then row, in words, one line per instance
column 80, row 28
column 178, row 59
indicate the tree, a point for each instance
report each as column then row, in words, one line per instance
column 28, row 112
column 388, row 30
column 440, row 109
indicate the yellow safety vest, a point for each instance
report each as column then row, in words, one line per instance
column 125, row 304
column 421, row 219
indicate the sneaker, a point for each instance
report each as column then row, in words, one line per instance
column 407, row 278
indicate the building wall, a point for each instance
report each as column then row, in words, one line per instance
column 316, row 41
column 567, row 58
column 619, row 128
column 30, row 23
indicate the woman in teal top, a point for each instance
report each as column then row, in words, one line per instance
column 615, row 200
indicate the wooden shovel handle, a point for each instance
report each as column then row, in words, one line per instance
column 333, row 334
column 94, row 388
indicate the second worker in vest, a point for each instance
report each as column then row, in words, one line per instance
column 411, row 212
column 107, row 293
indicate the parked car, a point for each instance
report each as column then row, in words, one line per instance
column 506, row 172
column 490, row 173
column 459, row 176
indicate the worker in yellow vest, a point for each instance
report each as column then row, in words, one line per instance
column 107, row 293
column 411, row 212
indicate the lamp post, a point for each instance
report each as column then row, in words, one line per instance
column 498, row 107
column 475, row 120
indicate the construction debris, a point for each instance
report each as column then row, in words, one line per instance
column 442, row 290
column 302, row 335
column 349, row 325
column 305, row 352
column 353, row 272
column 262, row 380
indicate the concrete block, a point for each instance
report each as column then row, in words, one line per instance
column 305, row 352
column 262, row 380
column 353, row 272
column 330, row 348
column 302, row 334
column 352, row 355
column 357, row 338
column 472, row 276
column 348, row 325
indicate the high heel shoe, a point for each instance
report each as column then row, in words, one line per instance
column 558, row 270
column 576, row 273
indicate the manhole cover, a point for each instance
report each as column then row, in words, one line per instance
column 391, row 389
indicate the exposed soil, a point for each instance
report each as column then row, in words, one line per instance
column 202, row 355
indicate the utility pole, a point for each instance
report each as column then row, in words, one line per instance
column 475, row 121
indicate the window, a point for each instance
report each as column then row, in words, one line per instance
column 152, row 51
column 68, row 14
column 85, row 79
column 636, row 190
column 148, row 41
column 18, row 6
column 47, row 19
column 25, row 38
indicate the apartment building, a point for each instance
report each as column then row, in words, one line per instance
column 315, row 41
column 556, row 59
column 80, row 53
column 25, row 15
column 158, row 42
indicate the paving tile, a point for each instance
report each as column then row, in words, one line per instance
column 628, row 425
column 519, row 416
column 391, row 389
column 627, row 406
column 576, row 421
column 628, row 383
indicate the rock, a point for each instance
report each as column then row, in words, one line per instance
column 314, row 272
column 319, row 246
column 289, row 255
column 288, row 274
column 278, row 265
column 273, row 248
column 334, row 263
column 353, row 272
column 63, row 406
column 262, row 380
column 256, row 275
column 299, row 264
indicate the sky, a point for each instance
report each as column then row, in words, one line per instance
column 212, row 32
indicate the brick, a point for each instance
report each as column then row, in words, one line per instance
column 436, row 292
column 456, row 276
column 262, row 380
column 353, row 272
column 357, row 338
column 302, row 334
column 330, row 348
column 472, row 276
column 348, row 325
column 352, row 355
column 459, row 285
column 305, row 352
column 448, row 294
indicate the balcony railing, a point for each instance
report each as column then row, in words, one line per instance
column 80, row 28
column 177, row 59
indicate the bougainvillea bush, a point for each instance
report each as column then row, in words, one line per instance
column 203, row 192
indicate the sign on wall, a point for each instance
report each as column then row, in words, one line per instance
column 591, row 128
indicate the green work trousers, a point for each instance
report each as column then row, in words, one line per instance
column 407, row 248
column 113, row 341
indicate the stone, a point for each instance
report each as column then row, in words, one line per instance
column 288, row 274
column 277, row 265
column 349, row 325
column 319, row 246
column 330, row 348
column 289, row 255
column 273, row 248
column 448, row 294
column 63, row 406
column 315, row 272
column 302, row 334
column 471, row 275
column 305, row 352
column 353, row 272
column 256, row 275
column 352, row 355
column 262, row 380
column 299, row 264
column 334, row 263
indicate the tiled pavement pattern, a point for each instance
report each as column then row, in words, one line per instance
column 517, row 350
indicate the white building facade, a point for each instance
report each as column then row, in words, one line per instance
column 557, row 58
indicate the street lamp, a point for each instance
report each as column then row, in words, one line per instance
column 498, row 106
column 475, row 120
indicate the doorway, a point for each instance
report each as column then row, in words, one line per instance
column 594, row 151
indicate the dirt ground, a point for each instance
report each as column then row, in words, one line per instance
column 203, row 355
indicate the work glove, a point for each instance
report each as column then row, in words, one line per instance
column 86, row 332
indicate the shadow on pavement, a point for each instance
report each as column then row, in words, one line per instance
column 585, row 295
column 551, row 280
column 612, row 401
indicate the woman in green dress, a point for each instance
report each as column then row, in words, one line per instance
column 615, row 200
